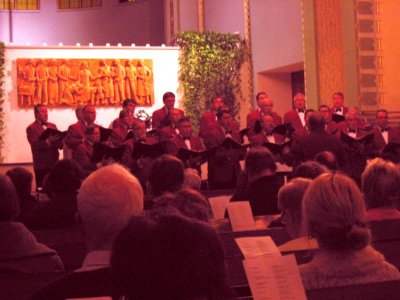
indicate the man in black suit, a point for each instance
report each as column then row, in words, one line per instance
column 307, row 147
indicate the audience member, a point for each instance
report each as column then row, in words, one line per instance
column 108, row 198
column 22, row 180
column 334, row 214
column 168, row 257
column 309, row 169
column 166, row 175
column 317, row 141
column 380, row 183
column 290, row 197
column 62, row 188
column 188, row 202
column 327, row 159
column 19, row 249
column 191, row 179
column 263, row 185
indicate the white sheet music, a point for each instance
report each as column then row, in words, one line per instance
column 218, row 205
column 257, row 246
column 241, row 216
column 274, row 278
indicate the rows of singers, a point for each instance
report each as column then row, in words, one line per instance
column 299, row 136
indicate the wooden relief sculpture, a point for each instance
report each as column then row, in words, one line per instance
column 71, row 82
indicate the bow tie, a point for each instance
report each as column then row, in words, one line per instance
column 352, row 131
column 44, row 124
column 338, row 110
column 186, row 138
column 228, row 132
column 300, row 110
column 384, row 130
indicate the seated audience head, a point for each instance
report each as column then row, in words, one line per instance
column 89, row 114
column 64, row 179
column 191, row 179
column 92, row 134
column 106, row 201
column 309, row 169
column 259, row 162
column 316, row 121
column 327, row 159
column 22, row 180
column 190, row 203
column 380, row 183
column 166, row 175
column 168, row 257
column 334, row 213
column 290, row 197
column 169, row 100
column 9, row 204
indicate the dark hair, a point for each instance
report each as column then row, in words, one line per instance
column 167, row 95
column 261, row 93
column 221, row 111
column 184, row 119
column 126, row 102
column 327, row 159
column 189, row 202
column 323, row 106
column 22, row 180
column 37, row 107
column 309, row 169
column 259, row 159
column 340, row 94
column 166, row 174
column 316, row 121
column 168, row 257
column 9, row 204
column 65, row 178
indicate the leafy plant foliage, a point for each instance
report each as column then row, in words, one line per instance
column 209, row 66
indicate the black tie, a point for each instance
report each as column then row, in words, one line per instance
column 300, row 110
column 352, row 131
column 338, row 109
column 384, row 130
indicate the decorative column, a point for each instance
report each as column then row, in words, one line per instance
column 200, row 9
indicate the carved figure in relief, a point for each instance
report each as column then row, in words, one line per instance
column 85, row 78
column 28, row 89
column 143, row 76
column 64, row 92
column 42, row 76
column 118, row 76
column 52, row 82
column 130, row 80
column 104, row 75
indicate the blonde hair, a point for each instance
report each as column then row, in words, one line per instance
column 380, row 184
column 290, row 196
column 334, row 213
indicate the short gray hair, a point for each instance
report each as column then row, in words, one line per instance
column 107, row 199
